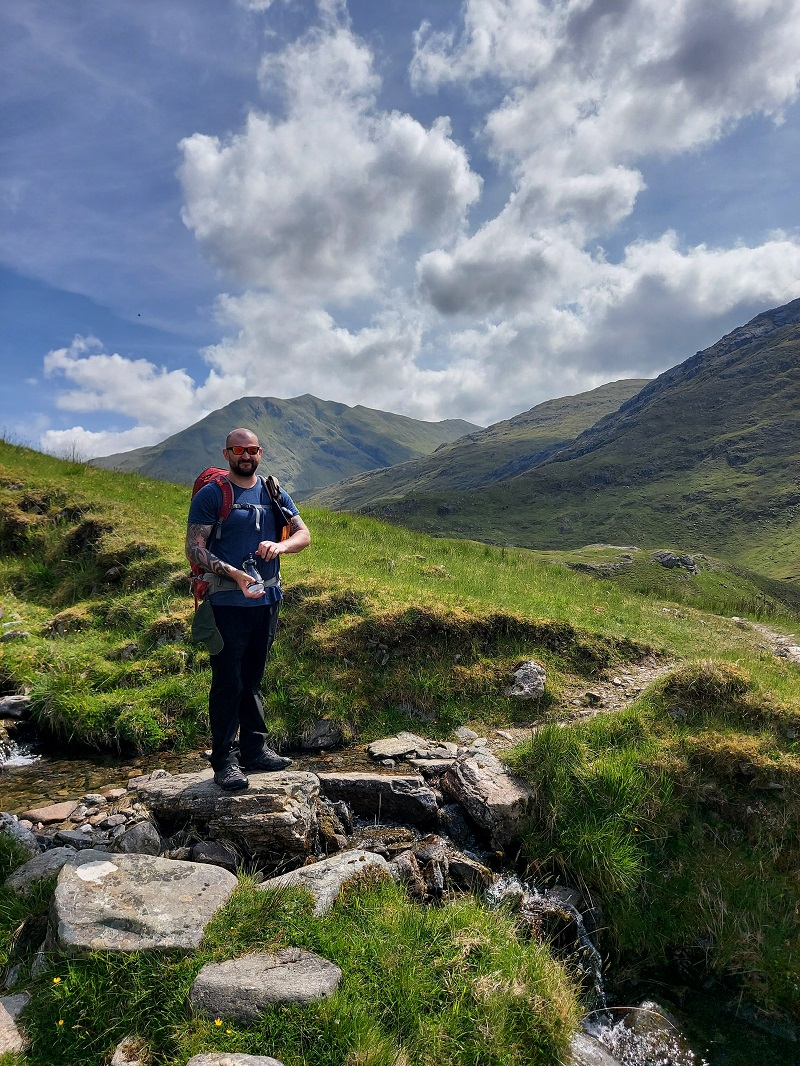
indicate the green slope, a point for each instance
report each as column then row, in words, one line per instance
column 307, row 442
column 490, row 455
column 704, row 458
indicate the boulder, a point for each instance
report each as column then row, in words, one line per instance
column 47, row 864
column 274, row 818
column 243, row 988
column 141, row 839
column 53, row 812
column 229, row 1058
column 323, row 734
column 11, row 1039
column 24, row 837
column 397, row 747
column 529, row 681
column 325, row 879
column 401, row 797
column 495, row 800
column 15, row 707
column 105, row 902
column 215, row 853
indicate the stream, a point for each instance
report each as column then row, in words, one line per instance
column 31, row 776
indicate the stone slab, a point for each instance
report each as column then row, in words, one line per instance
column 106, row 902
column 401, row 797
column 53, row 812
column 243, row 988
column 325, row 879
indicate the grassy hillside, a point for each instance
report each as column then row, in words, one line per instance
column 310, row 442
column 680, row 814
column 490, row 455
column 704, row 458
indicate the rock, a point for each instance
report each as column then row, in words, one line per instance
column 584, row 1050
column 397, row 747
column 466, row 735
column 23, row 836
column 14, row 634
column 324, row 733
column 243, row 988
column 216, row 854
column 232, row 1059
column 15, row 707
column 129, row 1053
column 274, row 818
column 54, row 812
column 79, row 839
column 405, row 869
column 141, row 839
column 401, row 797
column 674, row 562
column 529, row 681
column 653, row 1035
column 46, row 864
column 11, row 1039
column 496, row 801
column 325, row 879
column 106, row 902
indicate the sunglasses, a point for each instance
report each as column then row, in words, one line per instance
column 254, row 449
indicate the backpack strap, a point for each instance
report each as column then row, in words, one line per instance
column 226, row 489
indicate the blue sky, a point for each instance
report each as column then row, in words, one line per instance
column 443, row 209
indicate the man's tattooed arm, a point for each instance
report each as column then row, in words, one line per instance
column 198, row 553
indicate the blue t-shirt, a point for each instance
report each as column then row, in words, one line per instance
column 240, row 535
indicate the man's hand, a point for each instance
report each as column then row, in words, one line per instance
column 299, row 538
column 244, row 581
column 271, row 549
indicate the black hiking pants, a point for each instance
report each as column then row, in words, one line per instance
column 234, row 701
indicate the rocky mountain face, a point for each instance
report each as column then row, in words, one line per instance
column 706, row 456
column 502, row 451
column 308, row 443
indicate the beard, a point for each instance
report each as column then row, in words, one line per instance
column 244, row 465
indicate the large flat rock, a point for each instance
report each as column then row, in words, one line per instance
column 227, row 1058
column 325, row 879
column 243, row 988
column 498, row 802
column 399, row 797
column 106, row 902
column 276, row 815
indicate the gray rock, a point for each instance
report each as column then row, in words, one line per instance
column 215, row 854
column 674, row 562
column 243, row 988
column 496, row 801
column 232, row 1059
column 584, row 1050
column 129, row 1053
column 402, row 797
column 325, row 879
column 397, row 747
column 15, row 707
column 529, row 681
column 24, row 837
column 78, row 839
column 141, row 839
column 105, row 902
column 324, row 733
column 46, row 864
column 465, row 735
column 53, row 812
column 275, row 817
column 11, row 1039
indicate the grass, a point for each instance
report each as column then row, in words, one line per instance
column 665, row 811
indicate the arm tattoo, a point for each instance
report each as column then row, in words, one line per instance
column 197, row 552
column 296, row 523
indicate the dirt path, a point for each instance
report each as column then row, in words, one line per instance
column 580, row 704
column 784, row 647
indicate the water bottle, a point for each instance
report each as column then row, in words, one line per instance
column 249, row 567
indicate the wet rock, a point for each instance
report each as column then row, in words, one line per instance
column 650, row 1034
column 15, row 707
column 141, row 839
column 215, row 853
column 496, row 801
column 232, row 1059
column 52, row 813
column 243, row 988
column 401, row 797
column 405, row 869
column 47, row 864
column 324, row 734
column 529, row 681
column 325, row 879
column 106, row 902
column 455, row 825
column 585, row 1050
column 11, row 1038
column 275, row 817
column 22, row 835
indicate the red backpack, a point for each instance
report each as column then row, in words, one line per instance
column 220, row 477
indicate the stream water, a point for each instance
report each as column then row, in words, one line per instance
column 31, row 776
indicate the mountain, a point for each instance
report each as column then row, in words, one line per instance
column 488, row 456
column 706, row 456
column 308, row 443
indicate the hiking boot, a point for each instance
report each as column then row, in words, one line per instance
column 230, row 778
column 267, row 762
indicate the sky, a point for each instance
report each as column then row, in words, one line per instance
column 443, row 209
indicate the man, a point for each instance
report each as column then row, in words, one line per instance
column 246, row 620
